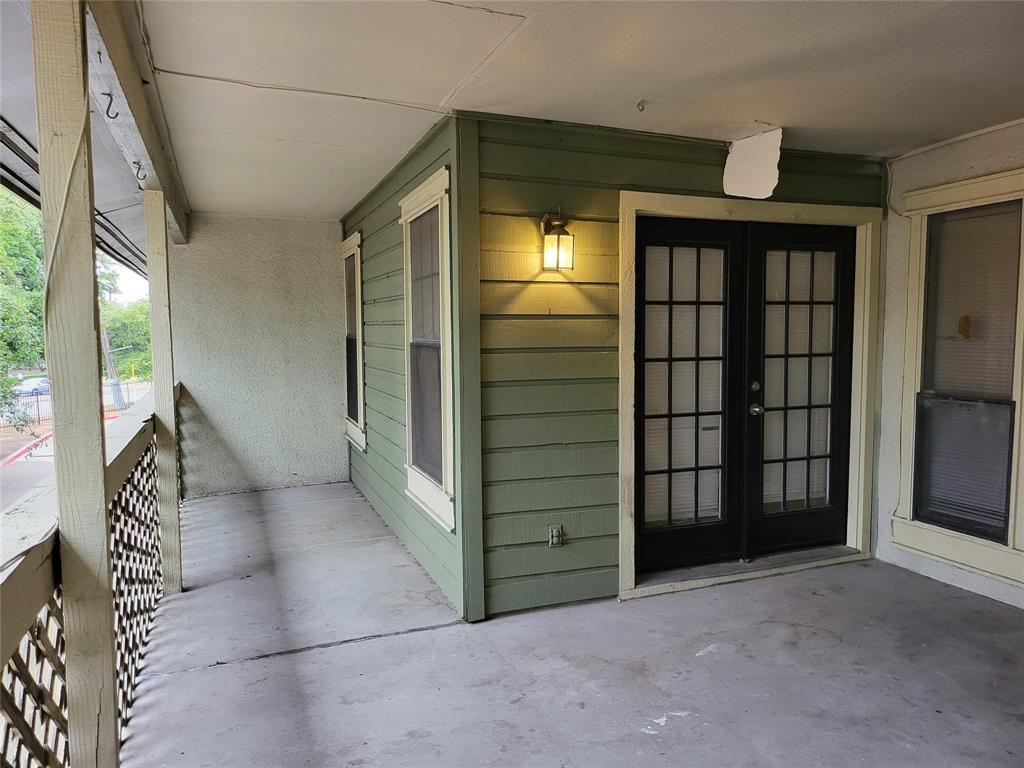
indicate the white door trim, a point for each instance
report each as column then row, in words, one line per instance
column 862, row 395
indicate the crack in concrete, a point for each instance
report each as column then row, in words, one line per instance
column 304, row 649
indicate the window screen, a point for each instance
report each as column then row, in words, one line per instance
column 351, row 340
column 425, row 445
column 965, row 409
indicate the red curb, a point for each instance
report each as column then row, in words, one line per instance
column 25, row 449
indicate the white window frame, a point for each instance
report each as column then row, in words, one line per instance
column 437, row 500
column 1004, row 561
column 355, row 430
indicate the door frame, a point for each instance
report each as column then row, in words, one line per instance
column 868, row 222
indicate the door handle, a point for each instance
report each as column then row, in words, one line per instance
column 756, row 409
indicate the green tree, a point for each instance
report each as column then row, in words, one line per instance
column 128, row 332
column 21, row 284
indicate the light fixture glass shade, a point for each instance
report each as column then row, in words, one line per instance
column 559, row 249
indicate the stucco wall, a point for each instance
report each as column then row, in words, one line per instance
column 258, row 325
column 977, row 156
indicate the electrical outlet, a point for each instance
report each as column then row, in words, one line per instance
column 555, row 535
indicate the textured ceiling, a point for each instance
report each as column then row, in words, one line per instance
column 356, row 84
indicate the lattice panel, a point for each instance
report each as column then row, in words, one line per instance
column 34, row 700
column 137, row 574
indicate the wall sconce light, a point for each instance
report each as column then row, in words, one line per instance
column 559, row 249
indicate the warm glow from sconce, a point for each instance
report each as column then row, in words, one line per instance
column 559, row 245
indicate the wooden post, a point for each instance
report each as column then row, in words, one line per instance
column 73, row 361
column 163, row 387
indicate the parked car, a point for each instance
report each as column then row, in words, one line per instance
column 36, row 386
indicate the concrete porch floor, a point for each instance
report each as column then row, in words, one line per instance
column 309, row 637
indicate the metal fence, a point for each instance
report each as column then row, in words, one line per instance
column 37, row 410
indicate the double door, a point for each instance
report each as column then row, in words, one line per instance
column 743, row 354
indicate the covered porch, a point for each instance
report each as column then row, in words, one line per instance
column 307, row 635
column 403, row 470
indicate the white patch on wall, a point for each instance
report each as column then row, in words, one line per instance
column 752, row 168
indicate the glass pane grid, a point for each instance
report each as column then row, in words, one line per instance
column 683, row 361
column 798, row 333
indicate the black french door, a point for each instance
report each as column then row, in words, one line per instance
column 743, row 361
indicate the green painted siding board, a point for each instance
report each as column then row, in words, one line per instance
column 384, row 310
column 534, row 163
column 385, row 381
column 550, row 430
column 524, row 366
column 558, row 461
column 535, row 198
column 523, row 298
column 539, row 332
column 384, row 358
column 389, row 405
column 531, row 559
column 553, row 493
column 532, row 527
column 391, row 429
column 388, row 286
column 384, row 335
column 540, row 398
column 516, row 594
column 380, row 471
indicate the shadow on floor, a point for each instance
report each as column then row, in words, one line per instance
column 309, row 637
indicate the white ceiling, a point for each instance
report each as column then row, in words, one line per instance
column 871, row 78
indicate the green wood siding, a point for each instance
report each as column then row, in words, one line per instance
column 380, row 472
column 549, row 340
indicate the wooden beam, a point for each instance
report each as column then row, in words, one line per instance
column 117, row 89
column 163, row 388
column 26, row 586
column 73, row 361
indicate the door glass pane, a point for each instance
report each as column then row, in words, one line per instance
column 684, row 330
column 683, row 442
column 656, row 271
column 684, row 274
column 796, row 484
column 709, row 492
column 772, row 488
column 655, row 444
column 689, row 329
column 822, row 333
column 965, row 409
column 798, row 329
column 656, row 331
column 656, row 388
column 683, row 387
column 711, row 274
column 774, row 330
column 710, row 331
column 818, row 489
column 798, row 374
column 682, row 498
column 799, row 276
column 775, row 276
column 656, row 500
column 824, row 275
column 773, row 382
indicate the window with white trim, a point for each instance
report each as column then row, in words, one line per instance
column 428, row 383
column 961, row 492
column 355, row 424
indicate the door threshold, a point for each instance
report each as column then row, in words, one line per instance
column 695, row 577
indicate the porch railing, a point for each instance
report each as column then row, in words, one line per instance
column 34, row 700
